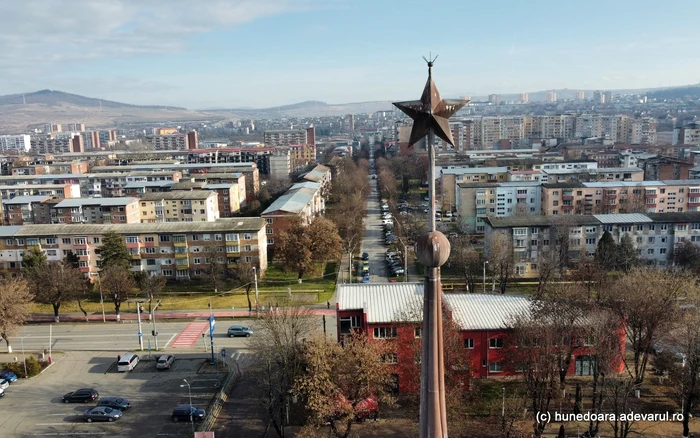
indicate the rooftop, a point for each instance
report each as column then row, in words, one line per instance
column 222, row 225
column 104, row 202
column 26, row 199
column 627, row 218
column 402, row 302
column 541, row 221
column 473, row 170
column 293, row 201
column 178, row 194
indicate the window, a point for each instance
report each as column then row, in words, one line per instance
column 217, row 237
column 231, row 237
column 195, row 237
column 51, row 241
column 247, row 248
column 590, row 241
column 664, row 227
column 349, row 322
column 520, row 231
column 534, row 230
column 81, row 252
column 246, row 236
column 232, row 248
column 166, row 261
column 197, row 261
column 626, row 229
column 651, row 239
column 495, row 367
column 496, row 343
column 390, row 358
column 206, row 237
column 180, row 238
column 384, row 332
column 164, row 238
column 469, row 343
column 652, row 227
column 151, row 262
column 83, row 264
column 268, row 230
column 150, row 250
column 65, row 241
column 132, row 239
column 270, row 241
column 148, row 239
column 662, row 250
column 167, row 272
column 417, row 332
column 681, row 227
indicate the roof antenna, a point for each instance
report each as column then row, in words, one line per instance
column 430, row 60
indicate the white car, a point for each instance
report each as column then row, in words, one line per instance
column 4, row 384
column 448, row 214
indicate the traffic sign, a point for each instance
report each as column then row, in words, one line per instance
column 212, row 323
column 140, row 334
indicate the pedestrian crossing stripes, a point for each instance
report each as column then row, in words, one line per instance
column 189, row 336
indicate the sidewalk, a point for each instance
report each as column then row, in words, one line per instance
column 173, row 314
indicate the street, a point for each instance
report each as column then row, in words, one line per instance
column 373, row 239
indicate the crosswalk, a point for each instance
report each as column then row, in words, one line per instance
column 189, row 336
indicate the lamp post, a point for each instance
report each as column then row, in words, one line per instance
column 189, row 390
column 23, row 358
column 255, row 279
column 484, row 280
column 153, row 319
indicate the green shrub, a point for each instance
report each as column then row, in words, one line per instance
column 34, row 367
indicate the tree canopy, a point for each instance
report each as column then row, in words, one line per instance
column 113, row 251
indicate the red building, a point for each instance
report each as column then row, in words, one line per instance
column 391, row 312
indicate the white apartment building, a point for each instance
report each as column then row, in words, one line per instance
column 20, row 142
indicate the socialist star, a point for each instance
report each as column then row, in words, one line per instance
column 430, row 112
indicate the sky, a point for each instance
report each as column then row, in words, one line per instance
column 263, row 53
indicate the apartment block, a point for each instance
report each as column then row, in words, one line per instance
column 22, row 169
column 61, row 145
column 477, row 201
column 303, row 201
column 27, row 210
column 54, row 190
column 19, row 143
column 288, row 137
column 169, row 142
column 302, row 155
column 642, row 131
column 179, row 206
column 178, row 251
column 91, row 140
column 688, row 134
column 95, row 211
column 655, row 235
column 595, row 174
column 280, row 163
column 451, row 176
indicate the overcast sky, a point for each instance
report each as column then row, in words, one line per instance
column 262, row 53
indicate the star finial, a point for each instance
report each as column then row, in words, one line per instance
column 431, row 111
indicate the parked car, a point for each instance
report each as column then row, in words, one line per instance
column 115, row 403
column 102, row 413
column 365, row 256
column 448, row 214
column 365, row 279
column 238, row 330
column 165, row 361
column 397, row 271
column 8, row 375
column 82, row 395
column 2, row 393
column 185, row 412
column 4, row 384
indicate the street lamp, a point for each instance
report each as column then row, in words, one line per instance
column 23, row 358
column 484, row 282
column 189, row 390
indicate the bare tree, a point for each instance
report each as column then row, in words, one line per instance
column 650, row 310
column 55, row 283
column 244, row 275
column 501, row 260
column 152, row 286
column 15, row 297
column 467, row 260
column 214, row 272
column 118, row 283
column 278, row 345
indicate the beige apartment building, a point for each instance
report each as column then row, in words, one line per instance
column 180, row 206
column 95, row 211
column 177, row 251
column 451, row 176
column 673, row 196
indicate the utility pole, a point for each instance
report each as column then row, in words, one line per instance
column 153, row 319
column 138, row 314
column 257, row 305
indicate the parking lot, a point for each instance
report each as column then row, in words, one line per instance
column 33, row 407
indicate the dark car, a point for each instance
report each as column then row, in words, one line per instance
column 83, row 395
column 102, row 413
column 165, row 362
column 238, row 330
column 8, row 375
column 365, row 256
column 114, row 403
column 184, row 412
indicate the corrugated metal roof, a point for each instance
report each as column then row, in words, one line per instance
column 139, row 184
column 486, row 312
column 9, row 230
column 35, row 186
column 25, row 199
column 293, row 201
column 626, row 218
column 222, row 225
column 107, row 202
column 541, row 221
column 306, row 185
column 220, row 186
column 474, row 170
column 383, row 302
column 403, row 302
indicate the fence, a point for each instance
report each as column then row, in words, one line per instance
column 219, row 399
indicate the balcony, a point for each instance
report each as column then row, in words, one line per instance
column 182, row 267
column 84, row 258
column 130, row 245
column 36, row 247
column 84, row 270
column 181, row 255
column 180, row 244
column 567, row 207
column 567, row 198
column 651, row 195
column 136, row 256
column 80, row 246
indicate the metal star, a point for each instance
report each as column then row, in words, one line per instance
column 430, row 112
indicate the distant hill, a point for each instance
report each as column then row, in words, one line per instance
column 57, row 98
column 692, row 91
column 311, row 108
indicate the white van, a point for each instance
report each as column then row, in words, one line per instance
column 127, row 362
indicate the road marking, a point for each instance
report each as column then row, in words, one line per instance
column 170, row 340
column 68, row 433
column 190, row 334
column 57, row 424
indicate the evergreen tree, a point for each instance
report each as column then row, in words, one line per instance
column 606, row 252
column 33, row 259
column 113, row 251
column 72, row 260
column 627, row 257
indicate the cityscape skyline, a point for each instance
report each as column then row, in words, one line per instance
column 226, row 54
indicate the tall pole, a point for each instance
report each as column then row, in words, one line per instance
column 484, row 280
column 23, row 358
column 189, row 391
column 155, row 328
column 50, row 340
column 255, row 276
column 350, row 266
column 138, row 315
column 102, row 301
